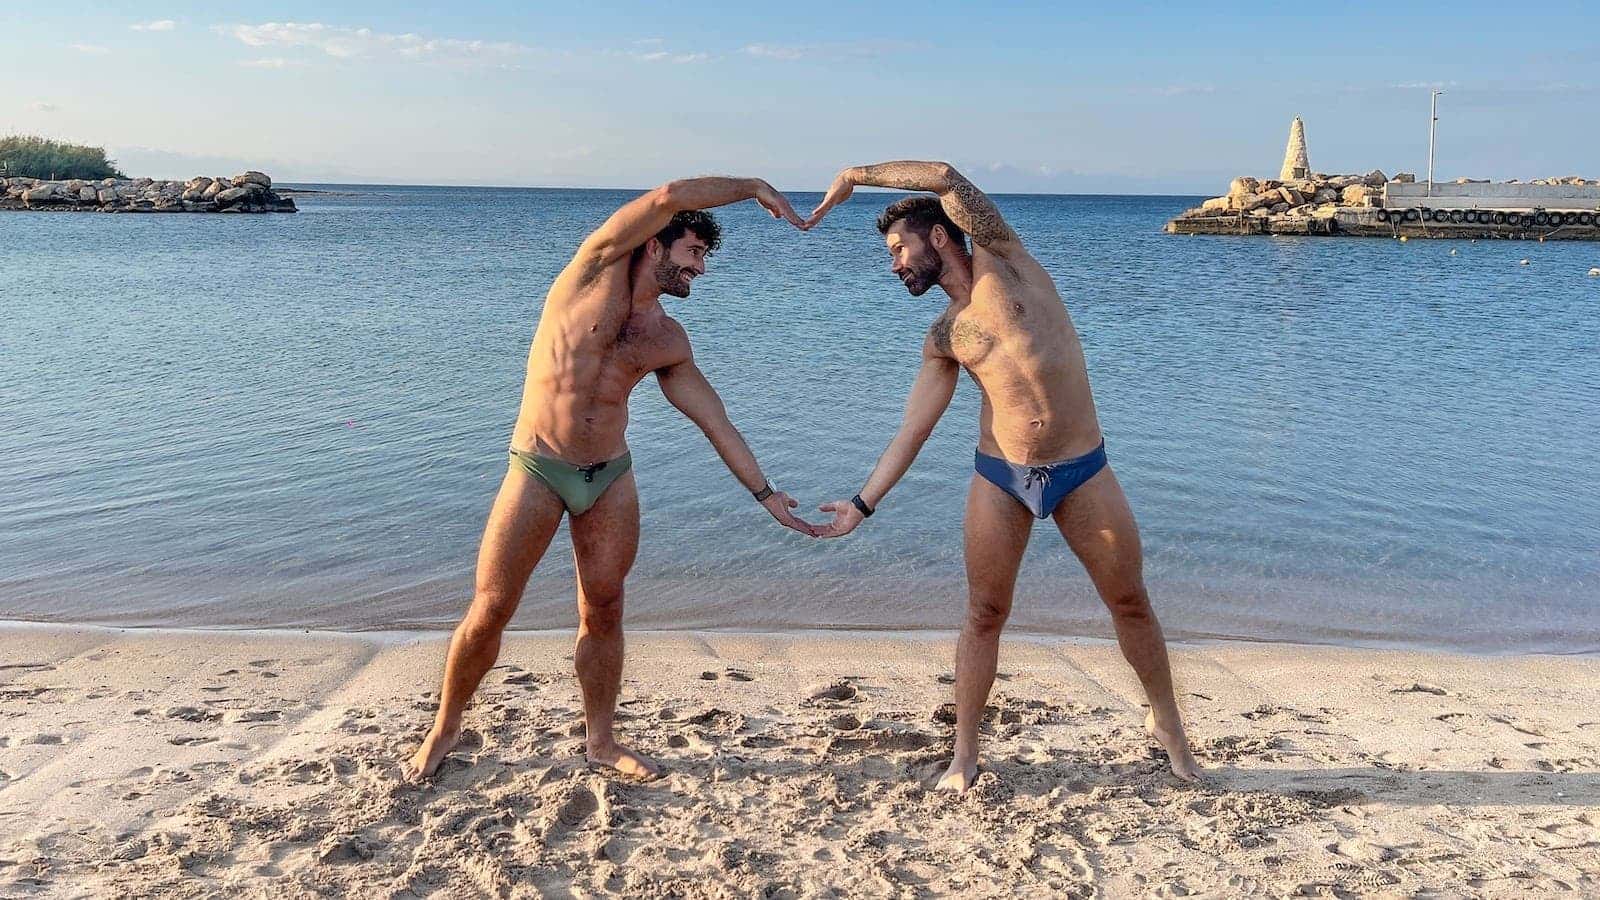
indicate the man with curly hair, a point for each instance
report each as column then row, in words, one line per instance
column 602, row 331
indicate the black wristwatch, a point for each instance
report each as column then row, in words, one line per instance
column 762, row 495
column 860, row 504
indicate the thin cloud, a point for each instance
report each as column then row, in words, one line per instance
column 773, row 51
column 90, row 49
column 675, row 58
column 41, row 106
column 366, row 44
column 157, row 25
column 835, row 50
column 271, row 62
column 1424, row 85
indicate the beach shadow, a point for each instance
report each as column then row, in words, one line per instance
column 1352, row 786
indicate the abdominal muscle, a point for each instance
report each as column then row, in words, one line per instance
column 1034, row 413
column 572, row 418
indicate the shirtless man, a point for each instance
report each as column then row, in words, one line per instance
column 1040, row 452
column 603, row 329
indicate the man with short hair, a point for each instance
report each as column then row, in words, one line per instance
column 1040, row 452
column 603, row 329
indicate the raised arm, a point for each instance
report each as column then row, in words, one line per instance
column 930, row 396
column 687, row 389
column 641, row 218
column 968, row 207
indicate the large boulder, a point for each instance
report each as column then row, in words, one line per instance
column 252, row 177
column 1326, row 195
column 1405, row 178
column 49, row 192
column 1356, row 195
column 212, row 190
column 88, row 194
column 1375, row 178
column 1291, row 196
column 106, row 195
column 1255, row 201
column 231, row 196
column 1277, row 208
column 1218, row 204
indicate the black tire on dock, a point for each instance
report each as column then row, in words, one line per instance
column 1383, row 215
column 1412, row 215
column 1499, row 218
column 1557, row 220
column 1585, row 218
column 1471, row 216
column 1455, row 216
column 1541, row 218
column 1514, row 219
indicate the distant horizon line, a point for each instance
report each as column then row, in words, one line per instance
column 524, row 187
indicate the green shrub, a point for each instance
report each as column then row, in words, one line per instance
column 37, row 157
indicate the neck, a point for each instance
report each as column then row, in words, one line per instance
column 957, row 280
column 646, row 292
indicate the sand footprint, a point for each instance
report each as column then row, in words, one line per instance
column 837, row 691
column 191, row 714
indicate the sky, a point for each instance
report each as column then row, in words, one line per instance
column 1026, row 97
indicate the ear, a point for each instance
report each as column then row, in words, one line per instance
column 938, row 237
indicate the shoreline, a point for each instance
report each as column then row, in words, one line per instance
column 390, row 637
column 147, row 762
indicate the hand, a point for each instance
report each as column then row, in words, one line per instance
column 775, row 203
column 843, row 186
column 779, row 504
column 845, row 519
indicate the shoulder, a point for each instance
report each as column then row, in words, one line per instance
column 674, row 340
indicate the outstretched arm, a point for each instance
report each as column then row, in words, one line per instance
column 644, row 216
column 930, row 396
column 686, row 387
column 968, row 207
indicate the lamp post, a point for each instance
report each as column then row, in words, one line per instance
column 1433, row 125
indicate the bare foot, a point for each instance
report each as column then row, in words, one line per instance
column 432, row 752
column 627, row 762
column 1176, row 743
column 958, row 777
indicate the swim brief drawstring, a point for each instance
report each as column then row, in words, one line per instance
column 1042, row 473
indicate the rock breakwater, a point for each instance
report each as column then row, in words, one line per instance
column 248, row 192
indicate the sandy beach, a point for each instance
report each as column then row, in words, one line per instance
column 194, row 764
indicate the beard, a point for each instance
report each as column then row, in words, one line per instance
column 923, row 273
column 672, row 278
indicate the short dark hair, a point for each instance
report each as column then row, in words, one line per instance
column 920, row 215
column 702, row 223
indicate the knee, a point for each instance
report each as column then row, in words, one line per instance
column 1130, row 605
column 987, row 615
column 601, row 609
column 491, row 611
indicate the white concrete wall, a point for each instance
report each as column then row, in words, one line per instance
column 1491, row 196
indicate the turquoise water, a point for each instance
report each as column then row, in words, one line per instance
column 300, row 421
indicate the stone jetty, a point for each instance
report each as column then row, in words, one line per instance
column 1300, row 201
column 249, row 192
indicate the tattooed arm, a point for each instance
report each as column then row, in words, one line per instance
column 968, row 207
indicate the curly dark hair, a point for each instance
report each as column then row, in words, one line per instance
column 703, row 224
column 920, row 214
